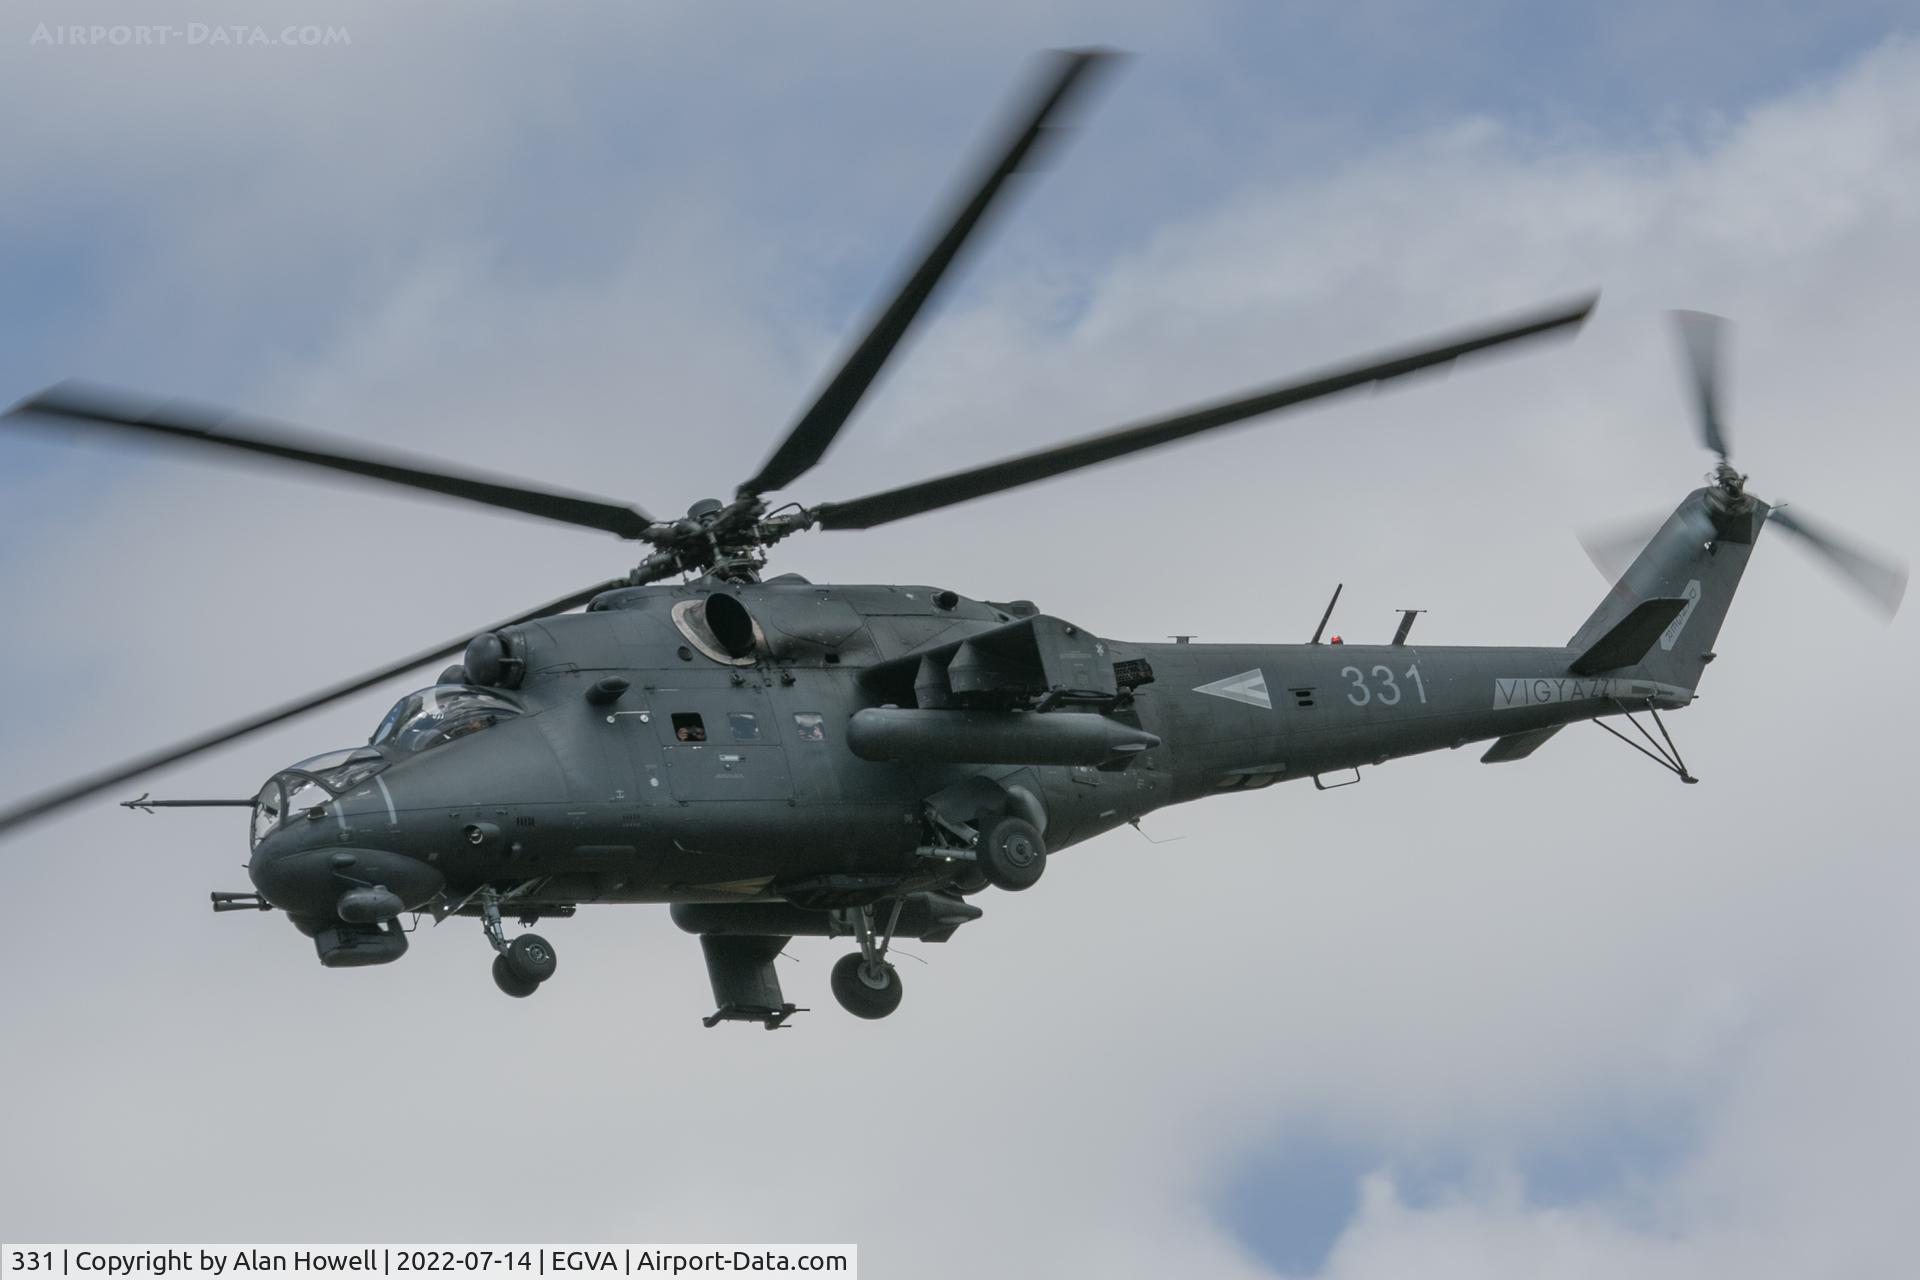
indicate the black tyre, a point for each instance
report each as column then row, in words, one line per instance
column 531, row 958
column 856, row 990
column 1011, row 853
column 510, row 982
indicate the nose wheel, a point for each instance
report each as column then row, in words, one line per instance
column 865, row 982
column 521, row 964
column 510, row 982
column 866, row 991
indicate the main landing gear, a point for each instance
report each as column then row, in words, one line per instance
column 998, row 847
column 1010, row 852
column 519, row 965
column 866, row 983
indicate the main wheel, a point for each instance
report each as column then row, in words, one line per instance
column 531, row 958
column 1011, row 853
column 510, row 982
column 862, row 993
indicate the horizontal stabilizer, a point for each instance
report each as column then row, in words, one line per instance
column 1518, row 746
column 1629, row 639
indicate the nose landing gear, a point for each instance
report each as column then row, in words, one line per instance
column 519, row 965
column 510, row 982
column 865, row 982
column 866, row 991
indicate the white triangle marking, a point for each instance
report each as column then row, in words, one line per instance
column 1249, row 687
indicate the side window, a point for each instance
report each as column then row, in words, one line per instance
column 809, row 726
column 744, row 726
column 688, row 727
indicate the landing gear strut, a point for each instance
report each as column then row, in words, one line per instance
column 865, row 982
column 519, row 965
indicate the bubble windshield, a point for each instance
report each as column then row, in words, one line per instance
column 343, row 769
column 311, row 784
column 430, row 717
column 268, row 808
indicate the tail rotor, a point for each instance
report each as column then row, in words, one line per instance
column 1882, row 579
column 1702, row 339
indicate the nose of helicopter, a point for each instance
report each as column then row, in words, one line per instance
column 332, row 881
column 313, row 863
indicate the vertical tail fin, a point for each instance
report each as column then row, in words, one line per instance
column 1697, row 557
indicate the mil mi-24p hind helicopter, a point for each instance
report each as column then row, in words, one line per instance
column 779, row 758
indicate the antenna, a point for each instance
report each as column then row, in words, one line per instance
column 1338, row 587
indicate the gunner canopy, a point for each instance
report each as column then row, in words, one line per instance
column 314, row 781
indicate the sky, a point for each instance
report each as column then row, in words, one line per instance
column 1558, row 1017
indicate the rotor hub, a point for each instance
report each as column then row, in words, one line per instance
column 1729, row 491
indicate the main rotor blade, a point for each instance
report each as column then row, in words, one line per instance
column 46, row 802
column 1883, row 581
column 961, row 486
column 78, row 404
column 1701, row 337
column 1018, row 151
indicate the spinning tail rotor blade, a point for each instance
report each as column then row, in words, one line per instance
column 76, row 404
column 961, row 486
column 1882, row 580
column 1613, row 547
column 1702, row 337
column 46, row 802
column 1020, row 150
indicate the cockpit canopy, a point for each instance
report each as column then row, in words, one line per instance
column 440, row 714
column 313, row 782
column 417, row 722
column 341, row 770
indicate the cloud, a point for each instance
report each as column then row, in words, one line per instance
column 1457, row 968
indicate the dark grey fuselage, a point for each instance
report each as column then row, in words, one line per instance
column 579, row 801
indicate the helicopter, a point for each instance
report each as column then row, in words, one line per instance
column 776, row 758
